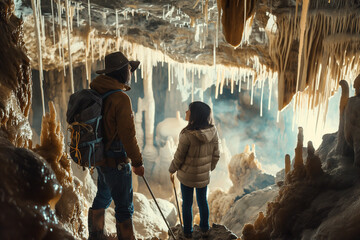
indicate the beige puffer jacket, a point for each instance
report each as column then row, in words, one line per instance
column 197, row 154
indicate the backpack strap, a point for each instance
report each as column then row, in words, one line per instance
column 110, row 92
column 108, row 144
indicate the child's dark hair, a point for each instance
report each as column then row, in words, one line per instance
column 121, row 75
column 200, row 116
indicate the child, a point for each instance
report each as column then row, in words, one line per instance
column 197, row 154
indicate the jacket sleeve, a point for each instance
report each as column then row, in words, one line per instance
column 216, row 152
column 180, row 154
column 126, row 130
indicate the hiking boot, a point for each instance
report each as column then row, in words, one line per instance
column 96, row 223
column 125, row 230
column 188, row 236
column 204, row 234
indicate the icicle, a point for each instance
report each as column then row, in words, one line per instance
column 252, row 91
column 261, row 100
column 278, row 116
column 135, row 76
column 240, row 85
column 117, row 22
column 69, row 46
column 300, row 84
column 87, row 69
column 89, row 12
column 217, row 29
column 103, row 18
column 43, row 29
column 184, row 74
column 270, row 93
column 92, row 48
column 37, row 30
column 244, row 28
column 61, row 36
column 169, row 77
column 222, row 82
column 41, row 23
column 77, row 14
column 53, row 20
column 192, row 87
column 217, row 85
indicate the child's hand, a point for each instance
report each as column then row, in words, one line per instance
column 172, row 177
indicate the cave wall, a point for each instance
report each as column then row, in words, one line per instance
column 15, row 78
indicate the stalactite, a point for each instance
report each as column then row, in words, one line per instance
column 233, row 25
column 37, row 30
column 53, row 21
column 61, row 42
column 89, row 12
column 69, row 46
column 305, row 6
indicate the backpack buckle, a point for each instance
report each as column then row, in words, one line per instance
column 120, row 166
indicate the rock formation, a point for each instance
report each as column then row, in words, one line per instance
column 313, row 202
column 16, row 83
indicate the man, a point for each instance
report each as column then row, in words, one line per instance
column 114, row 180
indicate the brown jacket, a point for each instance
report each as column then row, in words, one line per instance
column 197, row 154
column 118, row 116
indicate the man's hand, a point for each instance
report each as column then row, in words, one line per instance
column 139, row 171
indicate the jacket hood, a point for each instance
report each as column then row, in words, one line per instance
column 205, row 135
column 103, row 84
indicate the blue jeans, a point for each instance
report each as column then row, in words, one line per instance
column 187, row 195
column 114, row 184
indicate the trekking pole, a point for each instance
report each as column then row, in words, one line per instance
column 177, row 202
column 147, row 184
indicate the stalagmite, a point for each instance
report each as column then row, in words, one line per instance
column 298, row 150
column 287, row 164
column 37, row 31
column 69, row 46
column 313, row 163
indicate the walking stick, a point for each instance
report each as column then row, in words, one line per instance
column 177, row 202
column 147, row 184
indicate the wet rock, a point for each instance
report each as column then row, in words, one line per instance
column 216, row 232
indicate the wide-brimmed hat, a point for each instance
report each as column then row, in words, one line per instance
column 115, row 61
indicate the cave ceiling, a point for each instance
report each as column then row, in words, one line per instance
column 186, row 32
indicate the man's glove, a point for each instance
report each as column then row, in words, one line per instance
column 139, row 170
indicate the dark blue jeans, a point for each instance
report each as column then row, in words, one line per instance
column 114, row 184
column 187, row 195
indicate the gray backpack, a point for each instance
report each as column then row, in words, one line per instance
column 84, row 116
